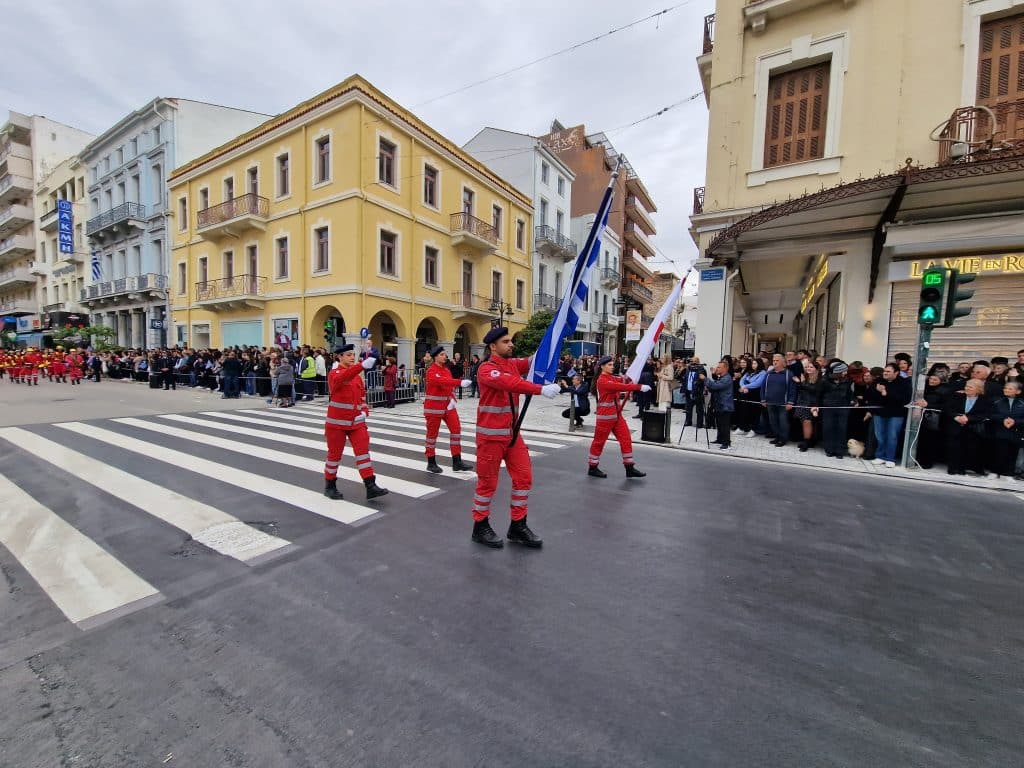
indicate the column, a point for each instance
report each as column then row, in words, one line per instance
column 138, row 327
column 406, row 353
column 112, row 322
column 477, row 349
column 448, row 347
column 711, row 315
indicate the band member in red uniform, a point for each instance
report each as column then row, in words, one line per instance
column 500, row 380
column 438, row 406
column 75, row 363
column 346, row 418
column 609, row 420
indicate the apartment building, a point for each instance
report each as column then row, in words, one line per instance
column 62, row 258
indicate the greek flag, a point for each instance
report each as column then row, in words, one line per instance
column 544, row 367
column 97, row 270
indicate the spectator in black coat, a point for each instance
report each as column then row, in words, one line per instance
column 966, row 413
column 1006, row 424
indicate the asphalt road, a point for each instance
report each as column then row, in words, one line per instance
column 720, row 612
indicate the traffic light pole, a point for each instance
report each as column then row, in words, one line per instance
column 915, row 416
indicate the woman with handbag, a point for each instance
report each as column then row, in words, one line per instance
column 929, row 438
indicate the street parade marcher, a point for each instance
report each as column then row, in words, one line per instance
column 500, row 379
column 609, row 390
column 75, row 363
column 32, row 362
column 346, row 419
column 438, row 406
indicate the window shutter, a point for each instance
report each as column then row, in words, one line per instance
column 797, row 115
column 1001, row 76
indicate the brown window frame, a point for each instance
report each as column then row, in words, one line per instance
column 322, row 243
column 430, row 177
column 431, row 258
column 387, row 152
column 388, row 246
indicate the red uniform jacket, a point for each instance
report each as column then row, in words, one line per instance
column 609, row 388
column 501, row 382
column 391, row 376
column 347, row 407
column 440, row 388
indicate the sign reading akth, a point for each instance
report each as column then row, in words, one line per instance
column 972, row 264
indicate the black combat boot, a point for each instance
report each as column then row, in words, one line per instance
column 372, row 489
column 595, row 471
column 632, row 471
column 331, row 489
column 520, row 533
column 432, row 465
column 484, row 534
column 459, row 465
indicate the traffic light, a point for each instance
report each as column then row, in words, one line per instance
column 933, row 291
column 329, row 333
column 954, row 296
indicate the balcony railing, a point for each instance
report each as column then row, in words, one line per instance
column 123, row 285
column 468, row 228
column 698, row 201
column 116, row 215
column 249, row 204
column 637, row 289
column 544, row 301
column 16, row 275
column 609, row 320
column 472, row 301
column 976, row 133
column 646, row 319
column 546, row 236
column 709, row 33
column 239, row 286
column 48, row 220
column 15, row 149
column 610, row 276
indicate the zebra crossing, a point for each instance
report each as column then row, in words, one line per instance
column 101, row 518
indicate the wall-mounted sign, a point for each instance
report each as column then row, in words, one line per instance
column 814, row 284
column 65, row 227
column 711, row 275
column 634, row 321
column 1008, row 263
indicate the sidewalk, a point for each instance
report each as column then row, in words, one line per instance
column 546, row 416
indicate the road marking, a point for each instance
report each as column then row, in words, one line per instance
column 311, row 501
column 420, row 425
column 209, row 526
column 394, row 484
column 81, row 578
column 374, row 440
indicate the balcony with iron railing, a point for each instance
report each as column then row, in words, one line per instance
column 232, row 217
column 233, row 292
column 551, row 242
column 698, row 201
column 610, row 277
column 981, row 133
column 119, row 288
column 48, row 221
column 544, row 301
column 709, row 33
column 466, row 302
column 636, row 238
column 123, row 217
column 636, row 213
column 477, row 234
column 636, row 289
column 609, row 321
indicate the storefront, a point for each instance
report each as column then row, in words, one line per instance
column 995, row 327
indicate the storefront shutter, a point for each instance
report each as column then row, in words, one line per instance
column 995, row 327
column 1001, row 75
column 797, row 114
column 832, row 326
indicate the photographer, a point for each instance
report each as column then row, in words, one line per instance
column 580, row 392
column 692, row 379
column 722, row 402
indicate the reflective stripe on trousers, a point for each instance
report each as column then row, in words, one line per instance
column 489, row 456
column 360, row 439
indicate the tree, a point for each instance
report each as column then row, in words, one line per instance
column 80, row 335
column 528, row 339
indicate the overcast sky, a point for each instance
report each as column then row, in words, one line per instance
column 89, row 63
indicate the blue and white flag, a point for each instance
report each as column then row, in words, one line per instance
column 544, row 367
column 97, row 270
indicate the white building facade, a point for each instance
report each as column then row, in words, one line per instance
column 128, row 165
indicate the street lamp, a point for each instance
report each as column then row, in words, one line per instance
column 502, row 308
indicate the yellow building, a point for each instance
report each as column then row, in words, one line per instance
column 346, row 210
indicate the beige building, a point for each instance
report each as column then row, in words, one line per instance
column 62, row 273
column 851, row 143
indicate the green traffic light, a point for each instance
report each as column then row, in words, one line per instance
column 928, row 315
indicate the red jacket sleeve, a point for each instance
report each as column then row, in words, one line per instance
column 442, row 376
column 342, row 375
column 490, row 376
column 615, row 385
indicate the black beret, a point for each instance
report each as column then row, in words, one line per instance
column 436, row 351
column 494, row 334
column 344, row 348
column 603, row 360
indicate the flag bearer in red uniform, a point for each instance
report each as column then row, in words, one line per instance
column 438, row 406
column 346, row 418
column 58, row 367
column 609, row 420
column 75, row 361
column 500, row 380
column 33, row 362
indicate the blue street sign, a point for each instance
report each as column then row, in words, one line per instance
column 364, row 333
column 65, row 227
column 710, row 275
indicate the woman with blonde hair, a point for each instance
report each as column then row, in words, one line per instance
column 666, row 378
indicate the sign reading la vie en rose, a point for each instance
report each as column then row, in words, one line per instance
column 1007, row 263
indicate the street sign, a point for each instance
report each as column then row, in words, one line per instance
column 65, row 227
column 711, row 275
column 156, row 325
column 364, row 333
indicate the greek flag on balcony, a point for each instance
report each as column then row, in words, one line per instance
column 544, row 367
column 97, row 270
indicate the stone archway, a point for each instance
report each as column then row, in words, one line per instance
column 385, row 331
column 428, row 333
column 326, row 320
column 466, row 341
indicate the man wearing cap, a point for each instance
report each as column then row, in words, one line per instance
column 609, row 390
column 500, row 379
column 438, row 405
column 346, row 417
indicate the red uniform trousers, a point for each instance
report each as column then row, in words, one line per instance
column 359, row 436
column 489, row 455
column 605, row 427
column 451, row 420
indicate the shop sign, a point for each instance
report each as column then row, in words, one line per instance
column 27, row 323
column 815, row 283
column 1005, row 264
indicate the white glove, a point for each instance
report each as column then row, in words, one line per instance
column 551, row 391
column 645, row 388
column 451, row 404
column 465, row 383
column 369, row 363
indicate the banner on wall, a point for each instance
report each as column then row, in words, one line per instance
column 634, row 320
column 286, row 333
